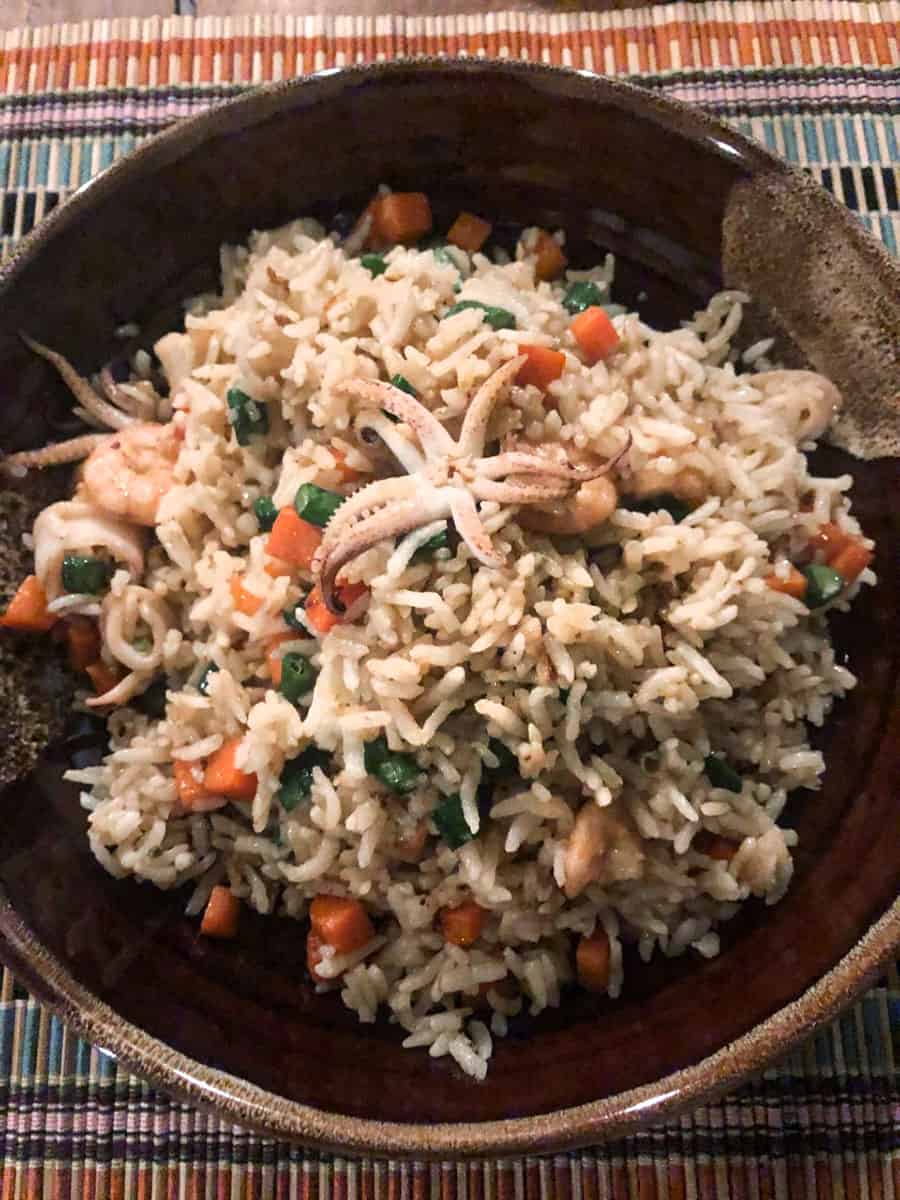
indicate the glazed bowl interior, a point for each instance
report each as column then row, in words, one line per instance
column 687, row 207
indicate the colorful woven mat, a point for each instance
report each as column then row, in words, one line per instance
column 818, row 82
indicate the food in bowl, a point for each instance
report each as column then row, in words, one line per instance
column 436, row 600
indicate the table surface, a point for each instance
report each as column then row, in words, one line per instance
column 17, row 13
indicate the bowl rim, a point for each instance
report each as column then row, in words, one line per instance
column 266, row 1112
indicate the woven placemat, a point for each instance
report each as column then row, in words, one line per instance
column 817, row 82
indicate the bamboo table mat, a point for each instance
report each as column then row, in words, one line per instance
column 818, row 82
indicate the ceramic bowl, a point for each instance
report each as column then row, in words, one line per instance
column 686, row 204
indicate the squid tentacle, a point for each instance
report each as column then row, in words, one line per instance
column 389, row 522
column 478, row 414
column 107, row 414
column 434, row 438
column 55, row 454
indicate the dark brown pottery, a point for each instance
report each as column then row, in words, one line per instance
column 685, row 203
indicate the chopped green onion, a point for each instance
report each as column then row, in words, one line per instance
column 581, row 296
column 450, row 822
column 401, row 382
column 203, row 681
column 721, row 773
column 822, row 584
column 399, row 772
column 374, row 264
column 143, row 645
column 248, row 417
column 292, row 620
column 439, row 541
column 297, row 676
column 152, row 701
column 497, row 318
column 506, row 760
column 266, row 512
column 316, row 505
column 677, row 509
column 83, row 574
column 296, row 777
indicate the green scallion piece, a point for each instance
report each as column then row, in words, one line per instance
column 401, row 382
column 450, row 822
column 296, row 777
column 497, row 318
column 84, row 574
column 374, row 264
column 581, row 296
column 266, row 512
column 677, row 509
column 721, row 773
column 297, row 676
column 316, row 505
column 439, row 541
column 398, row 772
column 823, row 584
column 203, row 682
column 249, row 418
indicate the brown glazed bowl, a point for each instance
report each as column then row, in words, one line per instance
column 686, row 204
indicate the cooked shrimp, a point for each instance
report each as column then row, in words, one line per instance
column 686, row 483
column 130, row 473
column 810, row 400
column 593, row 503
column 601, row 849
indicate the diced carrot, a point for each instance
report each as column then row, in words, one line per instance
column 851, row 561
column 293, row 540
column 794, row 585
column 469, row 232
column 595, row 333
column 830, row 539
column 463, row 924
column 592, row 961
column 320, row 617
column 103, row 678
column 220, row 917
column 192, row 795
column 83, row 641
column 223, row 778
column 550, row 259
column 273, row 658
column 244, row 601
column 27, row 611
column 541, row 366
column 346, row 473
column 277, row 566
column 715, row 846
column 401, row 217
column 314, row 946
column 341, row 922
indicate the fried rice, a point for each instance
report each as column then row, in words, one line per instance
column 596, row 738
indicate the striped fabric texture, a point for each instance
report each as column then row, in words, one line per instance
column 818, row 82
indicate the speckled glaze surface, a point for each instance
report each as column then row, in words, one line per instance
column 686, row 204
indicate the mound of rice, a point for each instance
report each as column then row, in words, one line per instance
column 611, row 667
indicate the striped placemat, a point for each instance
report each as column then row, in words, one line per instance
column 818, row 82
